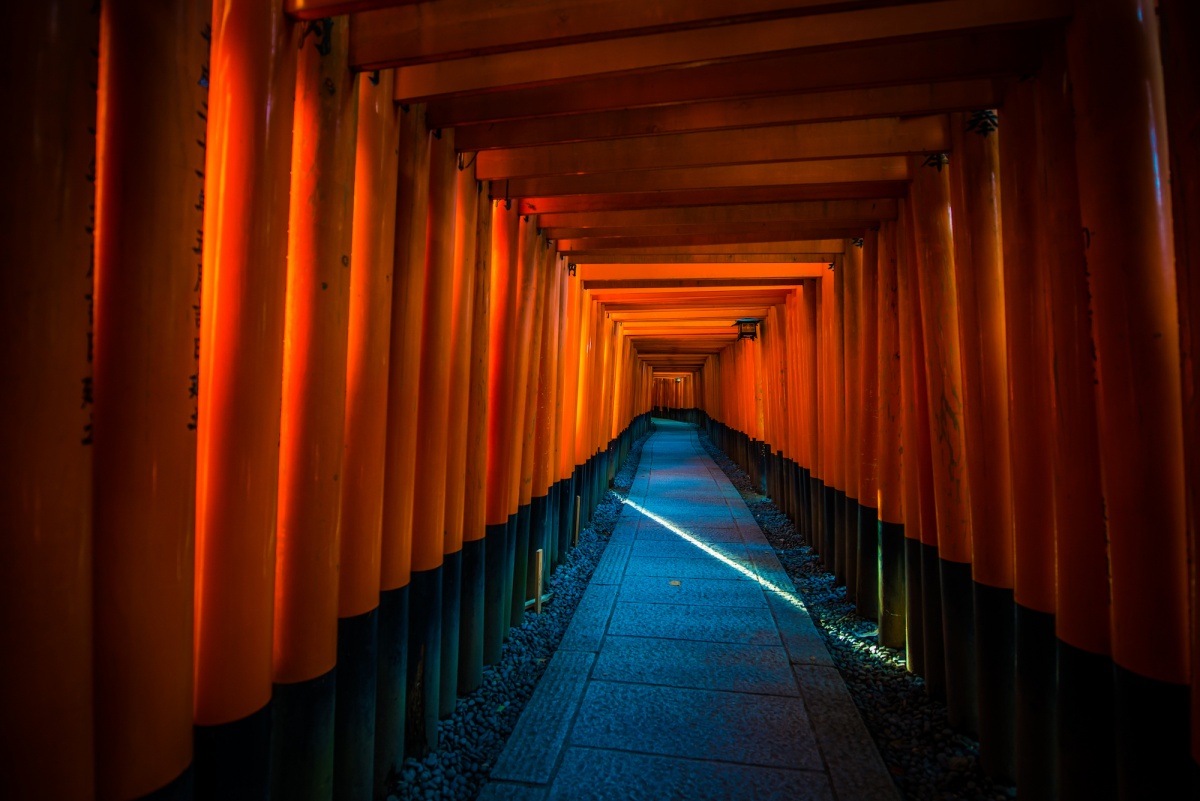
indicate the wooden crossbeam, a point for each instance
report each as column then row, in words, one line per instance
column 747, row 272
column 975, row 55
column 721, row 176
column 884, row 136
column 804, row 211
column 634, row 260
column 592, row 244
column 846, row 104
column 713, row 197
column 318, row 9
column 839, row 28
column 456, row 29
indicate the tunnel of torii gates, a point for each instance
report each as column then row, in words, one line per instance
column 319, row 317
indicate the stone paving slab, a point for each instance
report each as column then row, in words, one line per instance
column 540, row 733
column 717, row 686
column 590, row 774
column 741, row 625
column 702, row 665
column 700, row 592
column 612, row 564
column 590, row 618
column 855, row 767
column 702, row 567
column 698, row 724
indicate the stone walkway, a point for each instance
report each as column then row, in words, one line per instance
column 691, row 669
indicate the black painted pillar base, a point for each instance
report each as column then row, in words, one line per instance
column 867, row 575
column 914, row 607
column 391, row 688
column 495, row 560
column 537, row 539
column 1036, row 672
column 839, row 538
column 521, row 567
column 816, row 494
column 510, row 561
column 851, row 568
column 566, row 517
column 1087, row 733
column 958, row 624
column 890, row 587
column 424, row 662
column 233, row 760
column 354, row 712
column 471, row 616
column 1153, row 736
column 451, row 610
column 302, row 739
column 829, row 528
column 931, row 603
column 552, row 514
column 181, row 788
column 995, row 661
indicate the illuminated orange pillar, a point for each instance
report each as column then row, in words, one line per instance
column 465, row 230
column 943, row 376
column 839, row 433
column 979, row 281
column 45, row 332
column 404, row 365
column 852, row 266
column 1180, row 24
column 475, row 521
column 543, row 402
column 925, row 619
column 1030, row 428
column 890, row 438
column 361, row 522
column 529, row 318
column 1084, row 697
column 433, row 416
column 312, row 424
column 1122, row 157
column 504, row 328
column 248, row 156
column 150, row 190
column 868, row 434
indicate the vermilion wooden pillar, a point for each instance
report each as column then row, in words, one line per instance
column 501, row 383
column 312, row 425
column 362, row 478
column 1084, row 693
column 471, row 651
column 45, row 329
column 461, row 318
column 249, row 146
column 429, row 504
column 150, row 189
column 527, row 358
column 943, row 377
column 893, row 612
column 979, row 280
column 1125, row 203
column 852, row 403
column 840, row 423
column 1180, row 27
column 1031, row 426
column 404, row 364
column 868, row 434
column 923, row 508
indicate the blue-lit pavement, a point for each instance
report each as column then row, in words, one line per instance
column 691, row 669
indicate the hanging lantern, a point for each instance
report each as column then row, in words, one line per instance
column 678, row 380
column 747, row 328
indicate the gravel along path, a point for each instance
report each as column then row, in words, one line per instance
column 927, row 759
column 470, row 740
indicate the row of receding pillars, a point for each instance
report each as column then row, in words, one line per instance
column 290, row 407
column 984, row 419
column 674, row 396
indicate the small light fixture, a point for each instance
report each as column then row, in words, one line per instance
column 678, row 380
column 747, row 328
